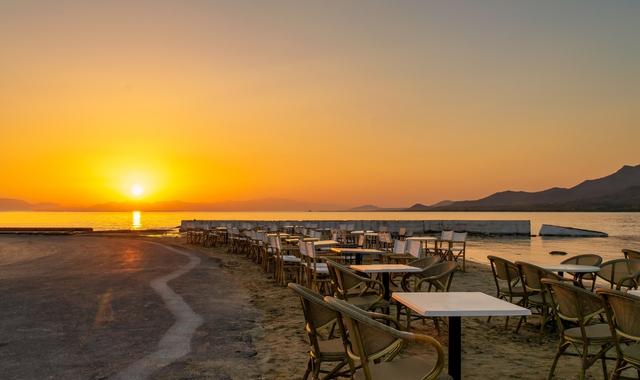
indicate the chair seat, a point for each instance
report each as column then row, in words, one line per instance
column 331, row 350
column 600, row 331
column 406, row 369
column 321, row 268
column 290, row 259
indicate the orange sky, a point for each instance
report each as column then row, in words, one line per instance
column 344, row 103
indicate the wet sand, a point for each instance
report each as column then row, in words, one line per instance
column 82, row 307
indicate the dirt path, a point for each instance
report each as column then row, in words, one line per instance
column 86, row 309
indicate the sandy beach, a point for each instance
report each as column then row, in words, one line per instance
column 82, row 307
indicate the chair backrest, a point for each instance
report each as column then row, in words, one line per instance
column 504, row 270
column 361, row 240
column 302, row 246
column 459, row 237
column 446, row 235
column 372, row 341
column 402, row 231
column 318, row 315
column 573, row 303
column 425, row 262
column 613, row 271
column 623, row 312
column 311, row 249
column 437, row 277
column 347, row 282
column 630, row 254
column 400, row 246
column 586, row 259
column 413, row 248
column 384, row 237
column 532, row 275
column 273, row 241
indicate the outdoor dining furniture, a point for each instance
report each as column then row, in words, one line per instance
column 362, row 291
column 385, row 270
column 634, row 292
column 623, row 315
column 506, row 276
column 573, row 306
column 570, row 268
column 372, row 347
column 357, row 252
column 619, row 273
column 585, row 259
column 455, row 305
column 320, row 322
column 425, row 241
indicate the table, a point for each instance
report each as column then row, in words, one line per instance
column 573, row 268
column 358, row 252
column 634, row 292
column 455, row 305
column 386, row 270
column 325, row 243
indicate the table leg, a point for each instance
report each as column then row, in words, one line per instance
column 455, row 348
column 386, row 281
column 358, row 258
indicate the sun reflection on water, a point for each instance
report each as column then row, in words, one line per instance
column 136, row 220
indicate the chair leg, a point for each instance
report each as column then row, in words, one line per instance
column 307, row 372
column 561, row 349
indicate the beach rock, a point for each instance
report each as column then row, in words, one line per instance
column 551, row 230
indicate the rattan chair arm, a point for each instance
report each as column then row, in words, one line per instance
column 428, row 340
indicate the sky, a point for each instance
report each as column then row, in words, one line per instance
column 341, row 102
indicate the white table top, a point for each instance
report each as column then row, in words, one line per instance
column 385, row 268
column 573, row 268
column 357, row 250
column 360, row 232
column 423, row 238
column 634, row 292
column 310, row 239
column 325, row 243
column 458, row 304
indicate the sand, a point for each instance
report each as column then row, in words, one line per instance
column 489, row 351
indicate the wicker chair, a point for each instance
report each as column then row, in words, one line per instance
column 363, row 292
column 574, row 304
column 619, row 273
column 630, row 254
column 623, row 314
column 320, row 317
column 315, row 273
column 536, row 295
column 507, row 279
column 375, row 345
column 435, row 278
column 586, row 259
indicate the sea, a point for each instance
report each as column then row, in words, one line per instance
column 623, row 228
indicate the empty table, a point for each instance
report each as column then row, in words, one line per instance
column 634, row 292
column 386, row 270
column 325, row 243
column 455, row 305
column 358, row 252
column 572, row 268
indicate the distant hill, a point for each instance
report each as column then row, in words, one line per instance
column 369, row 208
column 616, row 192
column 7, row 204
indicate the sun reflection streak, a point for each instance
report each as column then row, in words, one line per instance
column 136, row 220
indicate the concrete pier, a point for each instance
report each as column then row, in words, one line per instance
column 475, row 227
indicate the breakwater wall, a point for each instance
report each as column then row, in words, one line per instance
column 476, row 227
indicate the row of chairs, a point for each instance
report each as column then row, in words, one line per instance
column 566, row 301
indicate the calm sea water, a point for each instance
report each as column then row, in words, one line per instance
column 623, row 228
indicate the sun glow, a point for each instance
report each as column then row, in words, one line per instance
column 137, row 190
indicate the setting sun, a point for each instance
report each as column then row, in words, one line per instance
column 137, row 190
